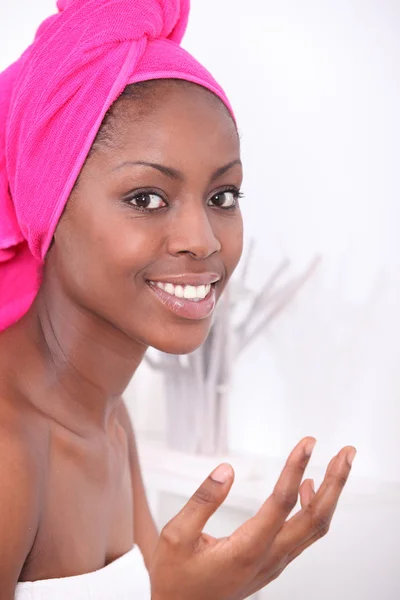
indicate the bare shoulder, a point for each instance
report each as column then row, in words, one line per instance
column 145, row 530
column 125, row 421
column 21, row 481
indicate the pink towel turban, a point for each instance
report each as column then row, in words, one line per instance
column 52, row 103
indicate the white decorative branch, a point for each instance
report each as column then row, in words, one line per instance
column 281, row 301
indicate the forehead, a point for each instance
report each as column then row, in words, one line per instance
column 175, row 122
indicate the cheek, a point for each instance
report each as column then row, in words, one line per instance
column 102, row 253
column 230, row 235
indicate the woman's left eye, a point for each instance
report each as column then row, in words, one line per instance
column 147, row 201
column 225, row 199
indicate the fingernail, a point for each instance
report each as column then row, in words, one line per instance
column 309, row 447
column 222, row 473
column 350, row 455
column 312, row 485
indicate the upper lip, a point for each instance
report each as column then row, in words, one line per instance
column 195, row 279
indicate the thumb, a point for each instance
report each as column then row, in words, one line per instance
column 191, row 520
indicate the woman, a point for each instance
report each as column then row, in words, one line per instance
column 120, row 227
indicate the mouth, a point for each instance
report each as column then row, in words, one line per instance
column 187, row 300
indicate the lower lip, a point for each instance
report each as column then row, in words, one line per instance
column 187, row 309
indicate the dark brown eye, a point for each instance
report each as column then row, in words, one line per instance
column 227, row 199
column 148, row 201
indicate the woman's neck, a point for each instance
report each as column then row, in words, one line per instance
column 79, row 363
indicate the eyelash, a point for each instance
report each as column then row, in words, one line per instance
column 149, row 192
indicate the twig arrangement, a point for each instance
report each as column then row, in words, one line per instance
column 197, row 384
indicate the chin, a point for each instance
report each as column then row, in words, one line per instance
column 182, row 340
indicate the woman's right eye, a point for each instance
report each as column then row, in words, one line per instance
column 147, row 201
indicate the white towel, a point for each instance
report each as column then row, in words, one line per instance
column 124, row 579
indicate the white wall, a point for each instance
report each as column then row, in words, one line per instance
column 316, row 88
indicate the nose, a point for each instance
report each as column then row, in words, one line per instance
column 192, row 233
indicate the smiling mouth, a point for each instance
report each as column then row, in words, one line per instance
column 194, row 293
column 193, row 302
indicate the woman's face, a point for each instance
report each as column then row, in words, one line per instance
column 153, row 231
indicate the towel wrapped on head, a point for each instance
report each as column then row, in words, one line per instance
column 52, row 103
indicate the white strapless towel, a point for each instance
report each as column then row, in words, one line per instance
column 124, row 579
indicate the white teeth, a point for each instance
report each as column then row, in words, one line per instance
column 179, row 291
column 189, row 292
column 201, row 291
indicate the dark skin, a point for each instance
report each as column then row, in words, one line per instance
column 71, row 492
column 91, row 324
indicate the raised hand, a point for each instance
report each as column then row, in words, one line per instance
column 191, row 565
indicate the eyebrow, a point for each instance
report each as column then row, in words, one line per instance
column 174, row 173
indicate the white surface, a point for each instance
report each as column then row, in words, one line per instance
column 174, row 472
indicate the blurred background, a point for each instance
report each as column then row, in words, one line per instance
column 315, row 86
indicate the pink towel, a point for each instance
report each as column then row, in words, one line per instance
column 52, row 102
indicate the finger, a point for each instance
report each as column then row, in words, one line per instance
column 188, row 524
column 307, row 492
column 276, row 562
column 300, row 549
column 285, row 495
column 314, row 520
column 261, row 529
